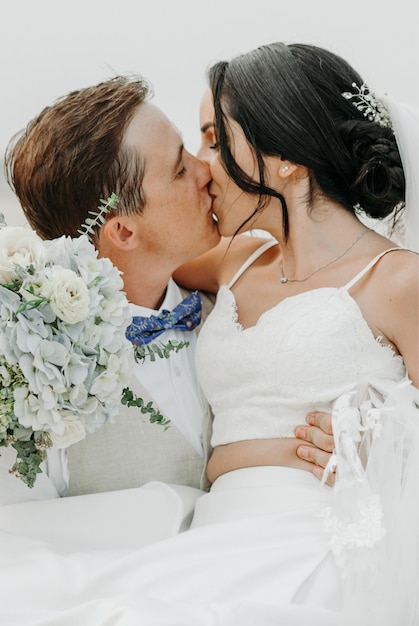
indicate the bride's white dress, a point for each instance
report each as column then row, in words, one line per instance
column 268, row 546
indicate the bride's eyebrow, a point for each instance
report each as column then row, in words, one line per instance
column 206, row 126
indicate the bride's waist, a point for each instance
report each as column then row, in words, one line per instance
column 253, row 453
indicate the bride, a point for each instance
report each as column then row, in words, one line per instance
column 322, row 326
column 323, row 317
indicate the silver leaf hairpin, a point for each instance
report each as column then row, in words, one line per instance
column 371, row 107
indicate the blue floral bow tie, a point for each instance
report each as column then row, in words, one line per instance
column 185, row 316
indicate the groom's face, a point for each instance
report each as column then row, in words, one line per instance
column 177, row 219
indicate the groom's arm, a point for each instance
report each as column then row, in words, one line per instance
column 318, row 437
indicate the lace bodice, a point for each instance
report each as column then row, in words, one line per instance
column 301, row 355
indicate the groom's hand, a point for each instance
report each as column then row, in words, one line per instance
column 319, row 433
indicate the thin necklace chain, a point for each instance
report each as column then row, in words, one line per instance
column 285, row 279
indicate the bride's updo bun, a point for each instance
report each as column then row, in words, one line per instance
column 378, row 185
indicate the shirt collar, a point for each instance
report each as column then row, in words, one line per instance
column 172, row 298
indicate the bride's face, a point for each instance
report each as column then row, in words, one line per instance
column 231, row 205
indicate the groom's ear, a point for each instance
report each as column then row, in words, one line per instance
column 121, row 231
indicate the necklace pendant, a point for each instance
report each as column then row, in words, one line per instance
column 284, row 279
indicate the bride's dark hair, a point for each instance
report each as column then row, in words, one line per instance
column 288, row 101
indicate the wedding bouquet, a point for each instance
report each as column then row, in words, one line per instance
column 64, row 355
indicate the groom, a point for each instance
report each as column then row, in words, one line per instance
column 110, row 138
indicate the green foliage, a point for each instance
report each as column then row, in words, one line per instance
column 14, row 286
column 98, row 217
column 158, row 349
column 152, row 351
column 30, row 455
column 155, row 416
column 32, row 304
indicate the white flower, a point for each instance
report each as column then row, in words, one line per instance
column 44, row 368
column 67, row 293
column 74, row 431
column 31, row 413
column 19, row 246
column 105, row 384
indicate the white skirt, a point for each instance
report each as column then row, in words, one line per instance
column 256, row 555
column 258, row 491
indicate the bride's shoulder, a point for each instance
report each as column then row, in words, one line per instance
column 244, row 249
column 396, row 282
column 399, row 265
column 212, row 269
column 395, row 275
column 241, row 247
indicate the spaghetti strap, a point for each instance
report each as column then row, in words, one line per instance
column 252, row 258
column 366, row 269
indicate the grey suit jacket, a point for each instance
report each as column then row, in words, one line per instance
column 132, row 451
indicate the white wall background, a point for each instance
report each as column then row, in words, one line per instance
column 50, row 47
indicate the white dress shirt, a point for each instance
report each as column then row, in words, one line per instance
column 173, row 381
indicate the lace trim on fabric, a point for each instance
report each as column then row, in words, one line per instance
column 235, row 316
column 373, row 521
column 361, row 526
column 364, row 532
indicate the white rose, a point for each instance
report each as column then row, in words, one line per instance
column 67, row 293
column 18, row 246
column 74, row 431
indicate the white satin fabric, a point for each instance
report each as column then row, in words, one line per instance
column 258, row 491
column 127, row 519
column 270, row 569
